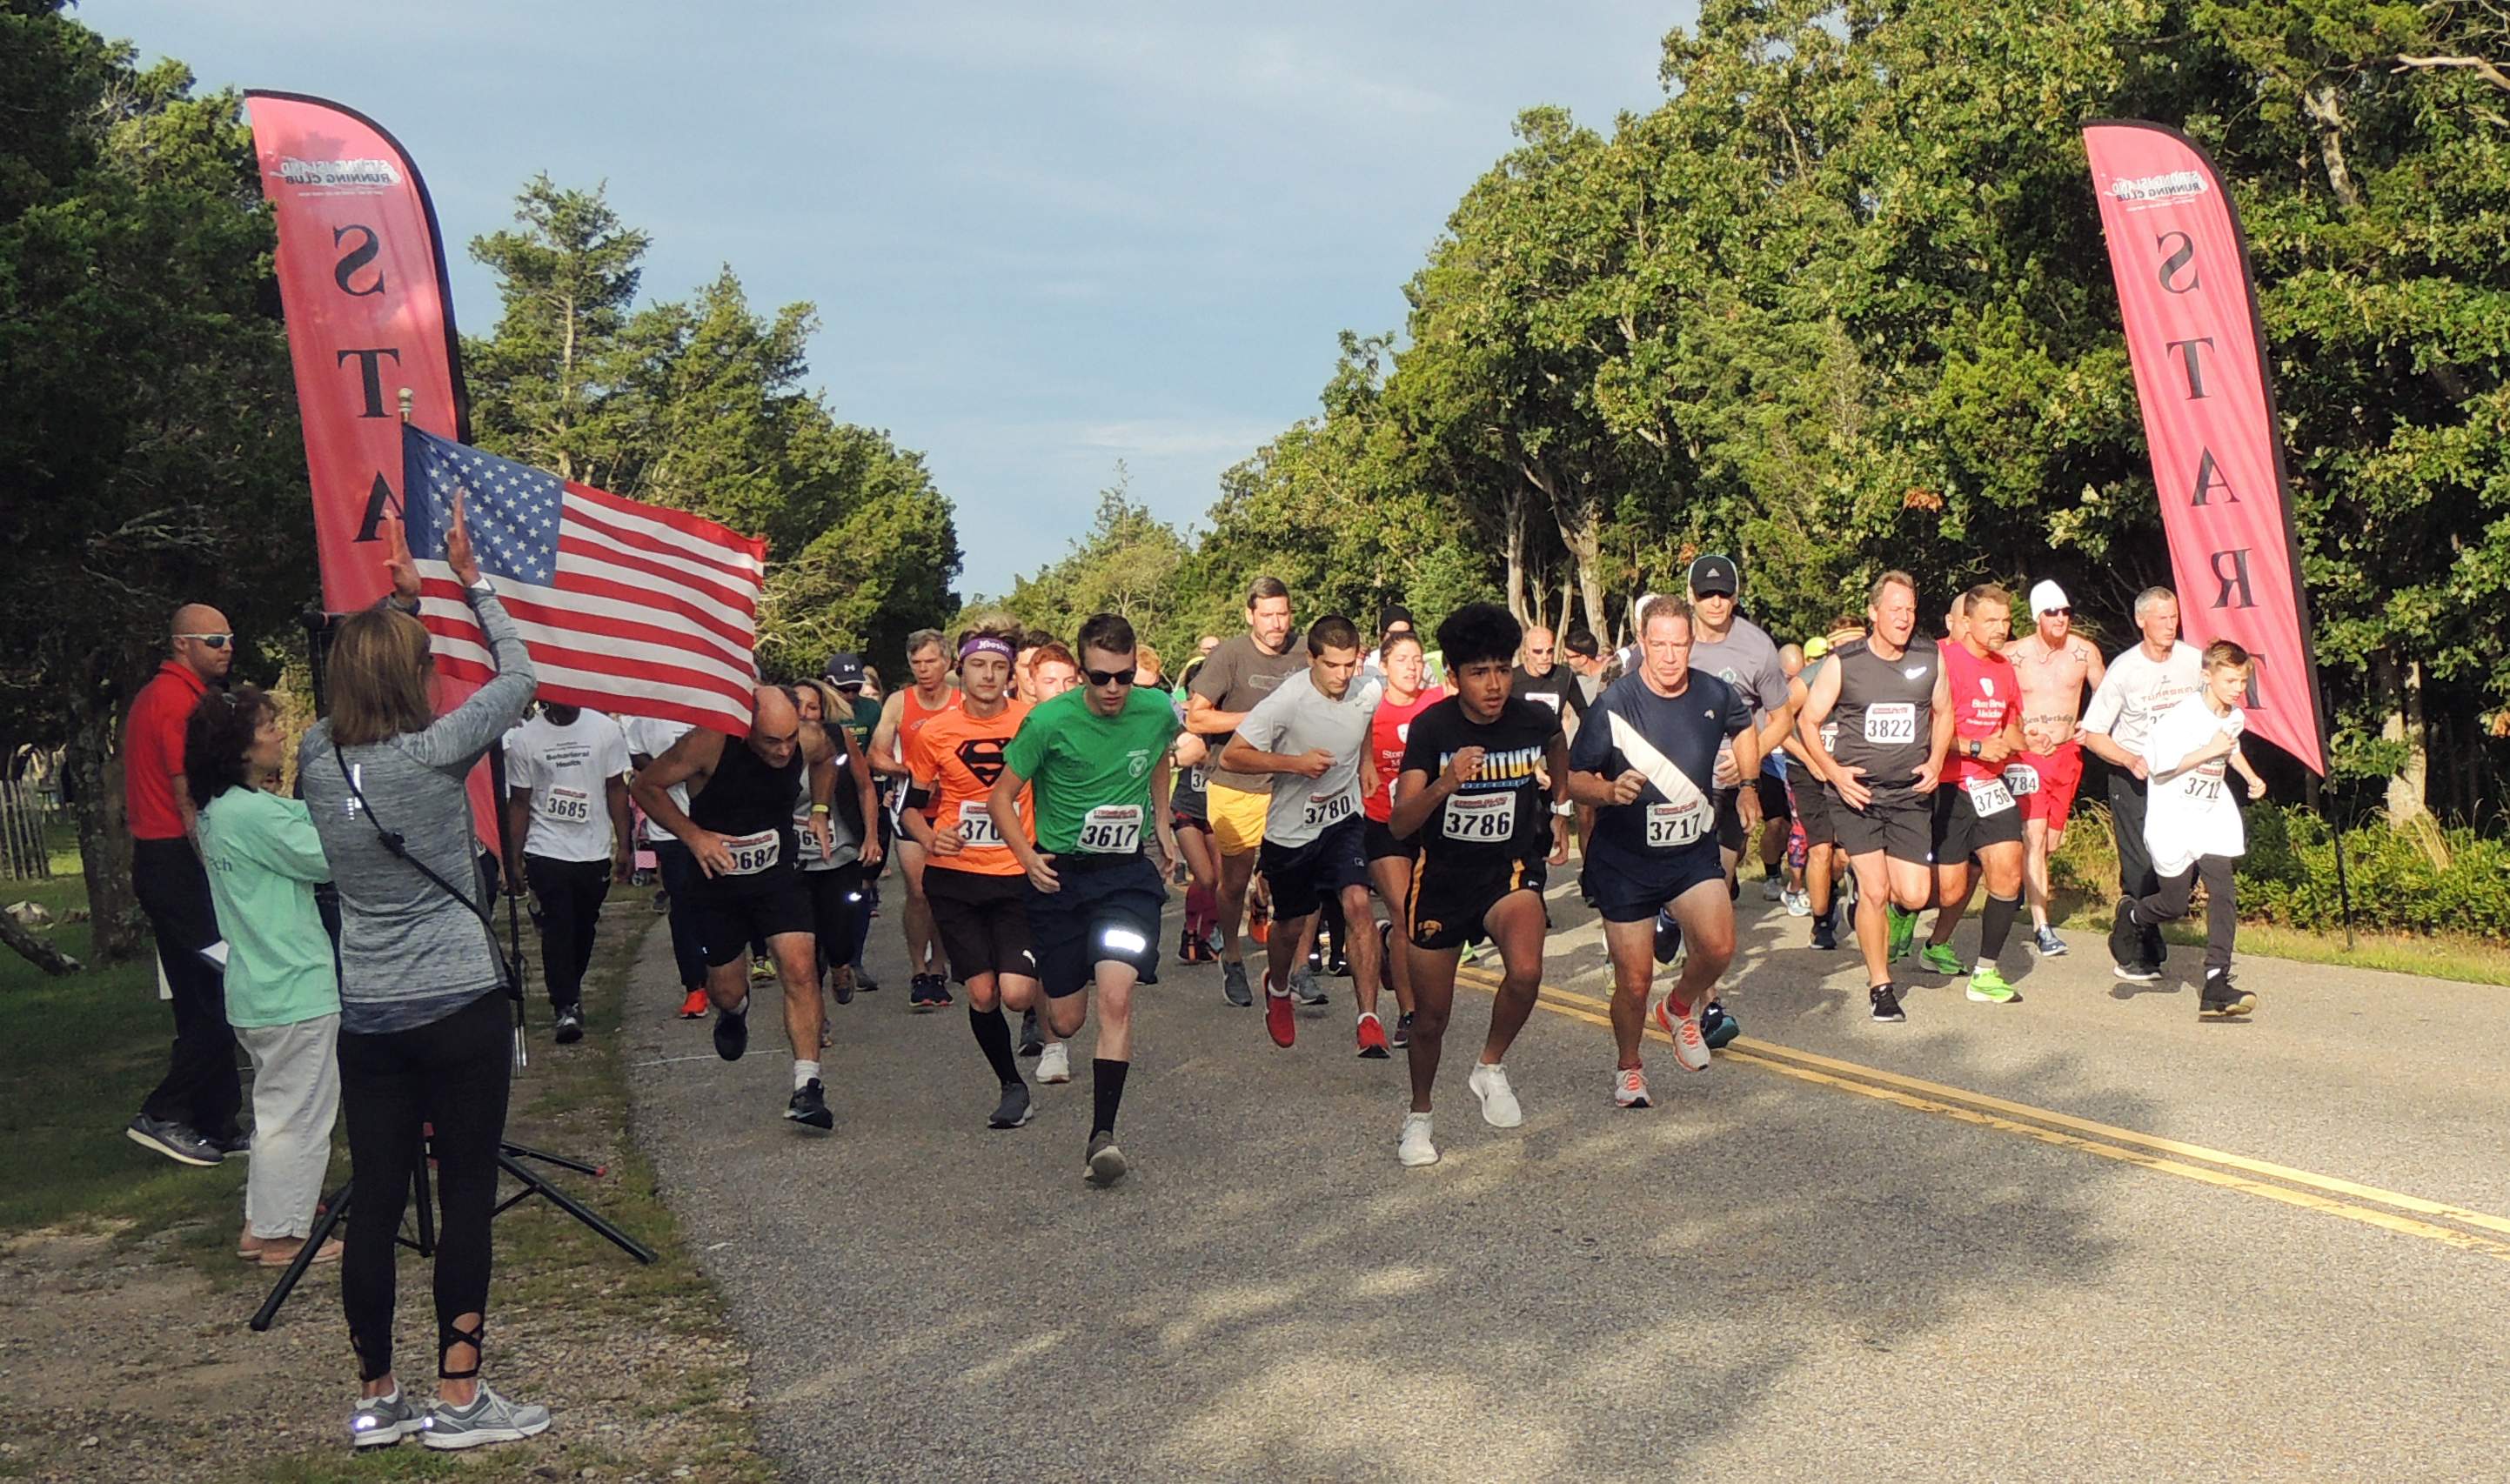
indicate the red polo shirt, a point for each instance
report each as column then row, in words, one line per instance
column 152, row 751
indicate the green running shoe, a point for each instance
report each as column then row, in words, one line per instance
column 1989, row 987
column 1940, row 958
column 1904, row 927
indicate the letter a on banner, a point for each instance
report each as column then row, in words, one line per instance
column 2201, row 373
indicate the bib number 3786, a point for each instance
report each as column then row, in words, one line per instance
column 1111, row 829
column 1488, row 818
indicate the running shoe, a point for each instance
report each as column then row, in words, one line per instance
column 760, row 972
column 2126, row 947
column 918, row 992
column 379, row 1422
column 1629, row 1089
column 1903, row 930
column 1668, row 937
column 1690, row 1048
column 1772, row 888
column 662, row 903
column 2045, row 942
column 174, row 1141
column 488, row 1419
column 1032, row 1040
column 1939, row 958
column 237, row 1146
column 1104, row 1165
column 1667, row 1017
column 1414, row 1149
column 1015, row 1109
column 1799, row 901
column 1372, row 1038
column 1233, row 984
column 841, row 984
column 1716, row 1027
column 570, row 1024
column 2220, row 999
column 1886, row 1004
column 1185, row 947
column 1825, row 929
column 809, row 1105
column 864, row 983
column 1500, row 1108
column 732, row 1032
column 1402, row 1036
column 1987, row 987
column 1054, row 1063
column 1278, row 1018
column 696, row 1006
column 1305, row 989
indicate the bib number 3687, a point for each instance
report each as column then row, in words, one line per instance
column 752, row 854
column 1111, row 829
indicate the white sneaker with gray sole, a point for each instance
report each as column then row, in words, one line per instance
column 379, row 1422
column 488, row 1419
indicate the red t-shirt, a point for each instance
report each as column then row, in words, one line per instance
column 1985, row 693
column 152, row 751
column 1388, row 731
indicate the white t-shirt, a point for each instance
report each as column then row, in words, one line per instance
column 652, row 737
column 2196, row 813
column 568, row 771
column 2139, row 688
column 1297, row 718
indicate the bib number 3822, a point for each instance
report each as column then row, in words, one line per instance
column 1891, row 721
column 1111, row 829
column 1488, row 818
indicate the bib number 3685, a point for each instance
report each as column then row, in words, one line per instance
column 1111, row 829
column 567, row 806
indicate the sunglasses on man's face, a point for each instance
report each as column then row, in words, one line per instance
column 1108, row 676
column 213, row 641
column 2056, row 613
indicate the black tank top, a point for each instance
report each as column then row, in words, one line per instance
column 747, row 797
column 1885, row 711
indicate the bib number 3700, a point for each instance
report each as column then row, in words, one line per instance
column 1111, row 829
column 1486, row 819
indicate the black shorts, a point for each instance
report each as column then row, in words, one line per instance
column 1626, row 891
column 1303, row 876
column 1961, row 831
column 982, row 922
column 1730, row 834
column 1814, row 805
column 1376, row 842
column 1108, row 911
column 1448, row 901
column 836, row 907
column 729, row 912
column 1900, row 822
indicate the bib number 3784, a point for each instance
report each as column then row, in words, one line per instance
column 1111, row 829
column 1488, row 818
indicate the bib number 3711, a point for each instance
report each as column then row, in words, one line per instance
column 1111, row 829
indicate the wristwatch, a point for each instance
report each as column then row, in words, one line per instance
column 1564, row 809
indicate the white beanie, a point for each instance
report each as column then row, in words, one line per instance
column 2045, row 597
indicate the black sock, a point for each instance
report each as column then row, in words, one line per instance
column 1106, row 1092
column 1997, row 924
column 994, row 1036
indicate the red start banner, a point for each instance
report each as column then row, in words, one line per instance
column 2201, row 373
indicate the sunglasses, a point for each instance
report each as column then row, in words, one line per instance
column 2057, row 613
column 213, row 641
column 1108, row 676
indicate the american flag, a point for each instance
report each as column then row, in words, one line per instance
column 626, row 607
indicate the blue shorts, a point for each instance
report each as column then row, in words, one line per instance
column 1626, row 891
column 1108, row 911
column 1303, row 876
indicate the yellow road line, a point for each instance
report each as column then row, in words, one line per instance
column 2125, row 1145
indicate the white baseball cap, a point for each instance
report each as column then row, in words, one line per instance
column 2047, row 597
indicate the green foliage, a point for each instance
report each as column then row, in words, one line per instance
column 1130, row 562
column 2402, row 880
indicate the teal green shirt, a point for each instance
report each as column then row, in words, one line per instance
column 263, row 861
column 1078, row 762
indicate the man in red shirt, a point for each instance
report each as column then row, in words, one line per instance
column 1975, row 817
column 191, row 1116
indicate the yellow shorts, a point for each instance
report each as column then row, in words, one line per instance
column 1238, row 818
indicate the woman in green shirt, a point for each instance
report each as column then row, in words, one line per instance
column 283, row 993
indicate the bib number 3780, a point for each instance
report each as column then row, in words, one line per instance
column 1111, row 829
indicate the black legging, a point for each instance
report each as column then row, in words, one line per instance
column 570, row 895
column 451, row 1074
column 2222, row 913
column 836, row 903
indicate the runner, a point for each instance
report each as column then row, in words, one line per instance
column 567, row 839
column 738, row 826
column 1097, row 758
column 1974, row 811
column 2053, row 666
column 649, row 737
column 1190, row 814
column 833, row 875
column 850, row 678
column 1053, row 670
column 1311, row 737
column 1470, row 793
column 1541, row 678
column 1389, row 858
column 1790, row 840
column 1893, row 708
column 1824, row 862
column 901, row 716
column 2141, row 685
column 972, row 877
column 1234, row 678
column 1740, row 653
column 1646, row 762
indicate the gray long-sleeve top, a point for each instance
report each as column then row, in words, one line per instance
column 411, row 954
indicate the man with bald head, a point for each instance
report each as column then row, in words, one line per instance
column 739, row 829
column 1546, row 682
column 191, row 1116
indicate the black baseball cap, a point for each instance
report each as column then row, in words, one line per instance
column 1714, row 574
column 1391, row 615
column 843, row 670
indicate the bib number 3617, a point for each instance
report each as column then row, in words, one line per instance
column 1111, row 829
column 1488, row 818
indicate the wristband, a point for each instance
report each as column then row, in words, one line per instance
column 818, row 809
column 1564, row 809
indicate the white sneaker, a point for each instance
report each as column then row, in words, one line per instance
column 1489, row 1083
column 1629, row 1089
column 1054, row 1064
column 1415, row 1149
column 1688, row 1048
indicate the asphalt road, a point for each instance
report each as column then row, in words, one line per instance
column 2082, row 1236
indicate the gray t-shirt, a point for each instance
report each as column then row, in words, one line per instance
column 1297, row 718
column 409, row 953
column 1748, row 658
column 1237, row 677
column 2139, row 688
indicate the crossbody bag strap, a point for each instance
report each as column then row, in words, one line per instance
column 399, row 848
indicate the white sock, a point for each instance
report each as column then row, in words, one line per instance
column 803, row 1072
column 1982, row 965
column 743, row 1008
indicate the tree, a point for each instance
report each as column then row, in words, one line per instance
column 1130, row 562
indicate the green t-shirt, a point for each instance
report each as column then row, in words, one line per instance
column 1092, row 773
column 263, row 860
column 865, row 719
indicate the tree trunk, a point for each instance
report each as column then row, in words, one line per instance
column 2405, row 723
column 33, row 947
column 1515, row 513
column 93, row 763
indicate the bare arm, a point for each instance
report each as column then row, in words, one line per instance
column 1940, row 712
column 1243, row 756
column 1204, row 719
column 1555, row 759
column 623, row 832
column 1003, row 803
column 884, row 738
column 867, row 794
column 692, row 761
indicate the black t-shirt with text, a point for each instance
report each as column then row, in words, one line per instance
column 1503, row 813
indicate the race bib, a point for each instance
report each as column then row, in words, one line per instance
column 1988, row 797
column 1547, row 698
column 753, row 853
column 1891, row 721
column 1830, row 737
column 1111, row 829
column 566, row 806
column 1193, row 779
column 1483, row 818
column 1326, row 809
column 2200, row 789
column 1671, row 826
column 2021, row 779
column 976, row 825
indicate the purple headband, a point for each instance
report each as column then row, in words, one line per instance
column 986, row 644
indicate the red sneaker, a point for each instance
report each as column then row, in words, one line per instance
column 696, row 1007
column 1372, row 1038
column 1278, row 1016
column 1259, row 925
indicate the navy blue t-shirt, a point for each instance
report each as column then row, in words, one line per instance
column 1631, row 726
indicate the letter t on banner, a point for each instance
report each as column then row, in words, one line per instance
column 2201, row 373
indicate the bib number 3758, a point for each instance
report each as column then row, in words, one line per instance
column 1111, row 829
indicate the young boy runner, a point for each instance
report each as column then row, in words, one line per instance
column 1098, row 758
column 2191, row 824
column 1646, row 762
column 1311, row 736
column 1975, row 814
column 971, row 879
column 1389, row 858
column 1472, row 792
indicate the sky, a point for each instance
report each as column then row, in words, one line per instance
column 1041, row 237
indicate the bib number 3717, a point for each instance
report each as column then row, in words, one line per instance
column 1111, row 829
column 1671, row 826
column 1488, row 818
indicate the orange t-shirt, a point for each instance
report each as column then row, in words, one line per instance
column 955, row 757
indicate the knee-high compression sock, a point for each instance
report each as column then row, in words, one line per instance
column 1995, row 924
column 994, row 1037
column 1106, row 1092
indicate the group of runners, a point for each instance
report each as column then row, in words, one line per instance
column 1043, row 800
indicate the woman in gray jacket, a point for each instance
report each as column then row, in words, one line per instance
column 424, row 1038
